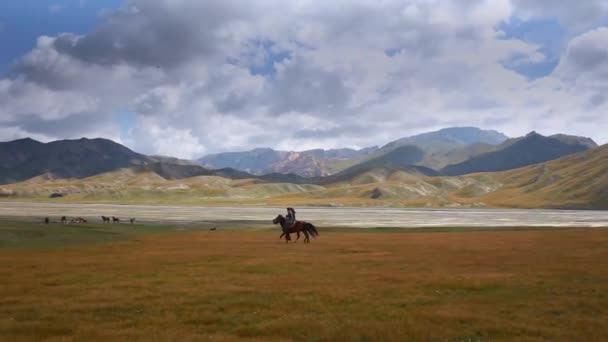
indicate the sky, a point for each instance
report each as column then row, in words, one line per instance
column 187, row 77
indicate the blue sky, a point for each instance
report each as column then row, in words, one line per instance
column 189, row 77
column 548, row 33
column 23, row 21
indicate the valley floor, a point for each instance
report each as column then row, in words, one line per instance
column 156, row 283
column 321, row 216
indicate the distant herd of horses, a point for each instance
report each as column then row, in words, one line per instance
column 104, row 219
column 114, row 219
column 306, row 228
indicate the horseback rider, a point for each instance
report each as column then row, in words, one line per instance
column 290, row 219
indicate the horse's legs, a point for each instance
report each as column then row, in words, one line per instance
column 287, row 237
column 306, row 239
column 298, row 238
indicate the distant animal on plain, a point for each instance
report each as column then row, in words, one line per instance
column 78, row 220
column 115, row 219
column 46, row 220
column 105, row 219
column 64, row 219
column 132, row 220
column 214, row 228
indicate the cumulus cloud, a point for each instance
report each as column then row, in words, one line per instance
column 160, row 33
column 585, row 62
column 207, row 76
column 578, row 14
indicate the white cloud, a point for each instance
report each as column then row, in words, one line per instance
column 340, row 73
column 164, row 140
column 585, row 62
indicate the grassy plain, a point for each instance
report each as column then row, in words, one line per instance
column 95, row 282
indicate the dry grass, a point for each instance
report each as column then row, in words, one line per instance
column 471, row 286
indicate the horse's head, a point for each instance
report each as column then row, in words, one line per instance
column 278, row 219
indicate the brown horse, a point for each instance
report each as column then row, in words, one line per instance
column 300, row 226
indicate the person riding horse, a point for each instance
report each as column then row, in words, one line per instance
column 289, row 224
column 290, row 219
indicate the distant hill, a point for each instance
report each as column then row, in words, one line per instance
column 446, row 146
column 339, row 152
column 255, row 161
column 171, row 160
column 287, row 178
column 175, row 171
column 574, row 140
column 374, row 174
column 310, row 163
column 142, row 184
column 302, row 164
column 180, row 171
column 402, row 156
column 514, row 153
column 26, row 158
column 439, row 158
column 450, row 138
column 401, row 159
column 577, row 181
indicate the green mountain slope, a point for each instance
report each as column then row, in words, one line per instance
column 531, row 149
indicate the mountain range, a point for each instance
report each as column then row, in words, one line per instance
column 440, row 148
column 450, row 167
column 451, row 151
column 311, row 163
column 513, row 153
column 575, row 181
column 27, row 158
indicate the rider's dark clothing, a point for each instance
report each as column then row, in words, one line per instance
column 290, row 219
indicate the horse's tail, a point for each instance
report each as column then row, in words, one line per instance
column 311, row 229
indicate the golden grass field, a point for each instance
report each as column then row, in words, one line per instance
column 351, row 285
